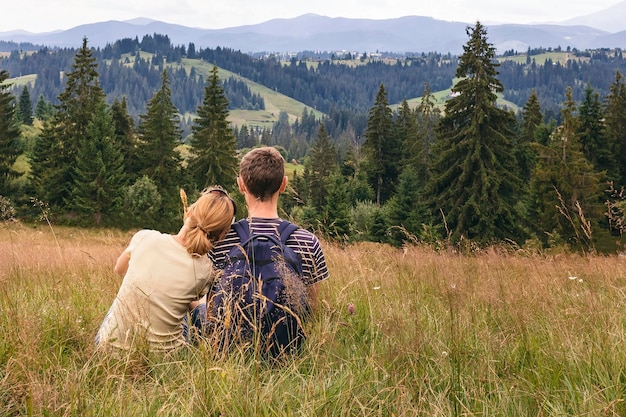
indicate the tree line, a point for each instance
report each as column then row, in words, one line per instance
column 474, row 174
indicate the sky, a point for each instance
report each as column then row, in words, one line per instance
column 48, row 15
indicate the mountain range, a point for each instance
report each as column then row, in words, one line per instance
column 312, row 32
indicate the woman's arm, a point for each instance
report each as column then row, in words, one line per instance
column 121, row 265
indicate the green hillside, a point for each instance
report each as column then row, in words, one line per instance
column 274, row 101
column 440, row 98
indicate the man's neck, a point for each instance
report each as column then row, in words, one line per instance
column 263, row 209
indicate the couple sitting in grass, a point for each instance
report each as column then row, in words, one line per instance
column 162, row 298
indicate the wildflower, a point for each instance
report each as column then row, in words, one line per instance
column 351, row 308
column 573, row 278
column 376, row 288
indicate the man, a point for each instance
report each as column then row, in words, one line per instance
column 261, row 180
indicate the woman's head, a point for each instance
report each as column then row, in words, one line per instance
column 208, row 220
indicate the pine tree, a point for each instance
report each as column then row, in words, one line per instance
column 322, row 163
column 47, row 177
column 125, row 137
column 405, row 125
column 245, row 138
column 99, row 175
column 428, row 116
column 406, row 210
column 43, row 109
column 532, row 118
column 592, row 133
column 381, row 147
column 159, row 136
column 213, row 159
column 564, row 183
column 9, row 137
column 336, row 213
column 474, row 172
column 25, row 107
column 55, row 155
column 615, row 122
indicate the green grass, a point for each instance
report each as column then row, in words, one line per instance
column 540, row 59
column 274, row 101
column 434, row 333
column 440, row 97
column 22, row 80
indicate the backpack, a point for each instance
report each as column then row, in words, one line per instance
column 260, row 299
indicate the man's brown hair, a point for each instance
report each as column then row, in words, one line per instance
column 262, row 171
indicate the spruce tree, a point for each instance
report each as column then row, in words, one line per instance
column 405, row 125
column 474, row 172
column 592, row 133
column 428, row 116
column 125, row 137
column 381, row 147
column 159, row 135
column 322, row 163
column 213, row 158
column 99, row 175
column 48, row 178
column 564, row 183
column 532, row 118
column 9, row 137
column 406, row 209
column 615, row 122
column 56, row 159
column 245, row 138
column 25, row 107
column 336, row 218
column 43, row 109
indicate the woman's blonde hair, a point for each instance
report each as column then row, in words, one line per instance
column 209, row 219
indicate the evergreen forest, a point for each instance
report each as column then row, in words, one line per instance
column 524, row 149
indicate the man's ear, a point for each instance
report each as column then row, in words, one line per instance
column 240, row 184
column 283, row 184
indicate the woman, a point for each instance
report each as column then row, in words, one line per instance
column 164, row 276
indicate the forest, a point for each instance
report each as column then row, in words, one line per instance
column 108, row 137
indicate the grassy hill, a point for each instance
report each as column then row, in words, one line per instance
column 397, row 332
column 540, row 59
column 440, row 98
column 275, row 102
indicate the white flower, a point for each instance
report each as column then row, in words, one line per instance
column 572, row 277
column 377, row 288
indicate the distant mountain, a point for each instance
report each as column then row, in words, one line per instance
column 319, row 33
column 611, row 20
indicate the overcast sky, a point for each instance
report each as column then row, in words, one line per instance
column 48, row 15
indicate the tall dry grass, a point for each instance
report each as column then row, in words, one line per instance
column 432, row 333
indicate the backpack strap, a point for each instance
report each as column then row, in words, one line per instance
column 285, row 229
column 242, row 227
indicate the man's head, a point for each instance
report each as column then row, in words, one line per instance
column 262, row 171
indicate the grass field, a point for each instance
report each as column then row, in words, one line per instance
column 434, row 333
column 274, row 101
column 540, row 59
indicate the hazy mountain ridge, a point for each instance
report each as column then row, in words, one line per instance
column 314, row 32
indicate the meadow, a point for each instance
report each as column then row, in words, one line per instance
column 494, row 332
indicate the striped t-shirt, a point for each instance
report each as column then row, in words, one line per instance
column 301, row 241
